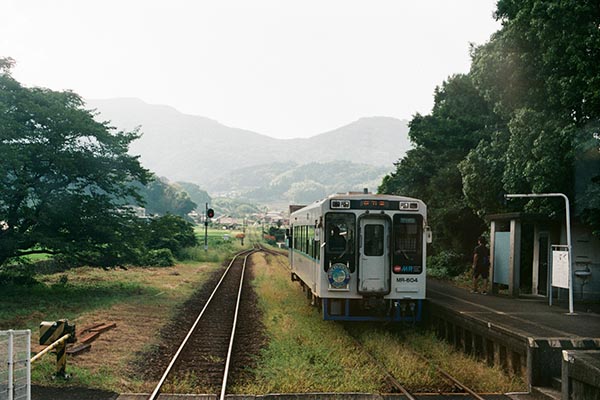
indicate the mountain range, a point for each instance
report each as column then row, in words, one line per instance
column 222, row 159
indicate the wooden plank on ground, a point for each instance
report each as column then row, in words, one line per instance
column 104, row 328
column 89, row 337
column 78, row 349
column 90, row 327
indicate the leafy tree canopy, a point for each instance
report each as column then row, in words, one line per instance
column 162, row 197
column 459, row 121
column 541, row 76
column 196, row 193
column 525, row 119
column 62, row 177
column 171, row 232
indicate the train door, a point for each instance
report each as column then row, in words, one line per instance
column 374, row 259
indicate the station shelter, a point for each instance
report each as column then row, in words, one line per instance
column 521, row 246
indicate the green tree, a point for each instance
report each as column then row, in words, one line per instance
column 541, row 76
column 196, row 193
column 556, row 46
column 459, row 121
column 481, row 172
column 162, row 197
column 63, row 176
column 170, row 232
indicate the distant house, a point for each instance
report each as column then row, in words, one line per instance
column 139, row 212
column 274, row 217
column 195, row 216
column 228, row 222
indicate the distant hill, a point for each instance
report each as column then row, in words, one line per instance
column 222, row 159
column 293, row 183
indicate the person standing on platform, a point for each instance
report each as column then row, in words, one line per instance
column 481, row 265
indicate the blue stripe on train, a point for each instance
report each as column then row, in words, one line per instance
column 395, row 318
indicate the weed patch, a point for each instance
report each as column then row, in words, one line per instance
column 304, row 353
column 307, row 354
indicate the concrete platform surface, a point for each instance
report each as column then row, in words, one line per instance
column 318, row 396
column 529, row 318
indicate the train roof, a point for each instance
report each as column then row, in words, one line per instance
column 353, row 196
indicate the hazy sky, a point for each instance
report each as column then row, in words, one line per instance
column 280, row 68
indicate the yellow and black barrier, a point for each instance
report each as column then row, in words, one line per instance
column 56, row 335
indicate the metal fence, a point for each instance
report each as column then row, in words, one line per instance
column 15, row 366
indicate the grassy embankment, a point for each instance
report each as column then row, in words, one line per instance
column 306, row 354
column 139, row 300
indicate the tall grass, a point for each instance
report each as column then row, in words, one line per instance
column 304, row 353
column 24, row 306
column 220, row 245
column 218, row 250
column 307, row 354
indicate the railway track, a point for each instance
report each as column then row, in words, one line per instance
column 390, row 378
column 400, row 388
column 212, row 337
column 212, row 333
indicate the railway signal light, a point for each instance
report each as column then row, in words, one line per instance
column 210, row 213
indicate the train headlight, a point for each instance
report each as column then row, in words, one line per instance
column 409, row 205
column 339, row 276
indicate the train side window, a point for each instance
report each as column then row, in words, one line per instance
column 296, row 233
column 309, row 239
column 305, row 239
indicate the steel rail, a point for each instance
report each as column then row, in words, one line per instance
column 235, row 317
column 446, row 375
column 156, row 391
column 383, row 368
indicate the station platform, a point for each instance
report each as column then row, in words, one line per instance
column 525, row 336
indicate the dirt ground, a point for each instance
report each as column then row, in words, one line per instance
column 70, row 393
column 148, row 331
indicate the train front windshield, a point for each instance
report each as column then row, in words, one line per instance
column 339, row 239
column 408, row 243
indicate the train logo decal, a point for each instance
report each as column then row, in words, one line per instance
column 339, row 276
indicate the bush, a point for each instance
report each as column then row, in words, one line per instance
column 446, row 264
column 160, row 258
column 18, row 274
column 170, row 232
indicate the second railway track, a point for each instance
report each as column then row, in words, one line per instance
column 399, row 386
column 206, row 351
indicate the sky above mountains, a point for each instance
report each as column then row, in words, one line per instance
column 282, row 68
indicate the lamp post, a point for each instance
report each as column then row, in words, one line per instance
column 568, row 222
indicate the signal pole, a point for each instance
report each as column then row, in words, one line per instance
column 208, row 213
